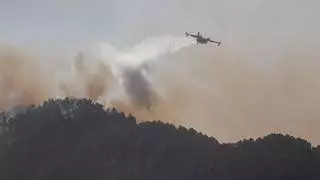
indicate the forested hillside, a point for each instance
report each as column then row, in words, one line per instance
column 76, row 139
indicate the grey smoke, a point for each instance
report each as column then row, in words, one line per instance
column 138, row 88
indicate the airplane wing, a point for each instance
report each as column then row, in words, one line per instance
column 191, row 35
column 215, row 42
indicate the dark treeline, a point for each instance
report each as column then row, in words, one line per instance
column 76, row 139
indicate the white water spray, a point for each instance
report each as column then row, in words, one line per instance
column 129, row 65
column 146, row 51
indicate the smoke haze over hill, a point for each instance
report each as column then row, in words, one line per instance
column 263, row 78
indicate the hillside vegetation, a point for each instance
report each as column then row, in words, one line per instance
column 76, row 139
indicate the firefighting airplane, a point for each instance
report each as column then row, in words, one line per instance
column 201, row 39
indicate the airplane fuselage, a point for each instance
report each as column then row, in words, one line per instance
column 201, row 40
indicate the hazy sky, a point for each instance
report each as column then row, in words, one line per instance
column 267, row 67
column 123, row 21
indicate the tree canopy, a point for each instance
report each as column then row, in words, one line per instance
column 78, row 139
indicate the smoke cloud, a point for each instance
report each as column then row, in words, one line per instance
column 105, row 74
column 219, row 91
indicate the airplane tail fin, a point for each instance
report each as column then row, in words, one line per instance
column 187, row 34
column 219, row 43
